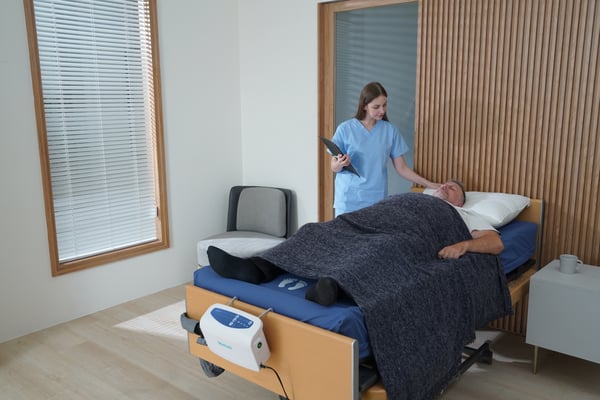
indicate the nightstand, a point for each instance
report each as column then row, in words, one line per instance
column 564, row 312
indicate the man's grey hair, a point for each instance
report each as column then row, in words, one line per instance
column 462, row 188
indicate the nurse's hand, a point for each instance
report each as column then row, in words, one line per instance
column 339, row 162
column 343, row 160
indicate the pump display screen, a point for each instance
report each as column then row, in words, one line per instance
column 230, row 319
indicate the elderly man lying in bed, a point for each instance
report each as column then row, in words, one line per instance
column 315, row 242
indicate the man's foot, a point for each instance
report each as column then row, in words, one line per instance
column 230, row 266
column 325, row 292
column 269, row 271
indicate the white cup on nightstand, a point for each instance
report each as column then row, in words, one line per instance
column 568, row 263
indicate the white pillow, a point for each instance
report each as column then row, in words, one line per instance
column 498, row 209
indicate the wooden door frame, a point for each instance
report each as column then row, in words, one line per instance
column 326, row 90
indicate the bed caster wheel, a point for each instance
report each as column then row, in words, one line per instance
column 211, row 370
column 486, row 357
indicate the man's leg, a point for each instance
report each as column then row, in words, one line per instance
column 230, row 266
column 269, row 270
column 324, row 292
column 258, row 270
column 253, row 269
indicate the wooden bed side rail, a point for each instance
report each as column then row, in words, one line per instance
column 312, row 362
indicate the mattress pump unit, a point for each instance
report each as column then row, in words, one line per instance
column 235, row 335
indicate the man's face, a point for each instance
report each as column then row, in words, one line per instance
column 451, row 192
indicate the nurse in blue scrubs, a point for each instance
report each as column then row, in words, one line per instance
column 367, row 141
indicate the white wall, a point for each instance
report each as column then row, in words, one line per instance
column 278, row 58
column 230, row 70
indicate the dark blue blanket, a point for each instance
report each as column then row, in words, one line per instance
column 419, row 310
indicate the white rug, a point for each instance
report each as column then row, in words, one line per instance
column 161, row 322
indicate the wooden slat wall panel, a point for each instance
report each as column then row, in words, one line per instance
column 509, row 100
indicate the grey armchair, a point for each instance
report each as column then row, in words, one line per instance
column 258, row 218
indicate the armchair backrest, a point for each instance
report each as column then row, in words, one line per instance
column 260, row 209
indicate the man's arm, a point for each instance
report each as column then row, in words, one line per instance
column 482, row 242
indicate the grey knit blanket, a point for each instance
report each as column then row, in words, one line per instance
column 419, row 310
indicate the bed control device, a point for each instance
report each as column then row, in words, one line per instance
column 235, row 335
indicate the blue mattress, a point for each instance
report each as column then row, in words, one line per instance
column 519, row 239
column 285, row 294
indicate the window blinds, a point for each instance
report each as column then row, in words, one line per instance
column 96, row 72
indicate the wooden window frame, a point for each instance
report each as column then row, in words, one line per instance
column 161, row 221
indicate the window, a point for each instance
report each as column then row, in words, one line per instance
column 97, row 97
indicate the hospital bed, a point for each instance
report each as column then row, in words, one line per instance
column 315, row 358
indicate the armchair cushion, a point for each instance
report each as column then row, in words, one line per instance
column 239, row 243
column 262, row 209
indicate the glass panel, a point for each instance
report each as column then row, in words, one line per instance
column 379, row 44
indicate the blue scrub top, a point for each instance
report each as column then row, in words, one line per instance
column 369, row 152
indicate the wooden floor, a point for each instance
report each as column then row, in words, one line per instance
column 123, row 353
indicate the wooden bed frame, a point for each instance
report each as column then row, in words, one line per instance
column 314, row 363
